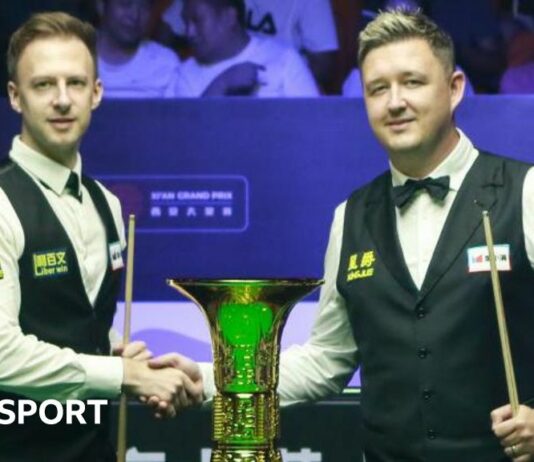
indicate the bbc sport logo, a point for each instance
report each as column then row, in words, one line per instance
column 51, row 411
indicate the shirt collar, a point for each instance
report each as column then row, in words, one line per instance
column 44, row 169
column 455, row 165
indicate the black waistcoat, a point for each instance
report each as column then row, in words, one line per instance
column 431, row 364
column 55, row 308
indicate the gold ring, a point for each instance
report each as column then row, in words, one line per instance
column 513, row 451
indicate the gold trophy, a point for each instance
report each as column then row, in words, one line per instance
column 246, row 319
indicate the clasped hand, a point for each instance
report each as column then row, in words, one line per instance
column 168, row 383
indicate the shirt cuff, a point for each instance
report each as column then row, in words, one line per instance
column 103, row 375
column 115, row 338
column 206, row 369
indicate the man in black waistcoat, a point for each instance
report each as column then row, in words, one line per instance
column 61, row 237
column 407, row 294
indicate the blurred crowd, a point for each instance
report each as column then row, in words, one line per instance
column 278, row 48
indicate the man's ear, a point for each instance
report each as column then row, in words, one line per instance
column 98, row 92
column 457, row 86
column 14, row 96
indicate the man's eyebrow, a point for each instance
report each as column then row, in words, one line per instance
column 52, row 77
column 413, row 73
column 40, row 78
column 374, row 81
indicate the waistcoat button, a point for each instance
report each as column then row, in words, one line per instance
column 423, row 352
column 427, row 394
column 420, row 312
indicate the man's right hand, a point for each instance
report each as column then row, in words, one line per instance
column 192, row 393
column 238, row 80
column 194, row 387
column 166, row 384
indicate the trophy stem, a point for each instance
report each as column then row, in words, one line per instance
column 246, row 320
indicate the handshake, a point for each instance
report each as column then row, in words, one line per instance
column 167, row 383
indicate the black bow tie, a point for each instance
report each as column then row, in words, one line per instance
column 436, row 187
column 73, row 186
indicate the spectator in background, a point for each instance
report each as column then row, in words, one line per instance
column 227, row 60
column 349, row 21
column 519, row 77
column 478, row 42
column 306, row 25
column 131, row 66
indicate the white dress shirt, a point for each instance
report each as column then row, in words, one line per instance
column 29, row 366
column 302, row 24
column 284, row 72
column 324, row 364
column 150, row 73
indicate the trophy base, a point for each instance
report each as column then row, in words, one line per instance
column 243, row 455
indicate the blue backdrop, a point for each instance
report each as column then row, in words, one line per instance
column 246, row 187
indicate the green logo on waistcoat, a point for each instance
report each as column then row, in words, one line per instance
column 361, row 265
column 50, row 263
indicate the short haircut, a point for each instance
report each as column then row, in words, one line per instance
column 49, row 25
column 403, row 24
column 238, row 5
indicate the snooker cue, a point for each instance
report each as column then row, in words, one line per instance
column 123, row 406
column 501, row 319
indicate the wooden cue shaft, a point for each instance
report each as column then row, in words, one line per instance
column 501, row 318
column 123, row 406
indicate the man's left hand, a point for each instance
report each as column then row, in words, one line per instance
column 515, row 433
column 134, row 350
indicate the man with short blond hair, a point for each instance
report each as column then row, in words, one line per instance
column 61, row 236
column 405, row 296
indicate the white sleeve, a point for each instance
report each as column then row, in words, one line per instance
column 528, row 214
column 316, row 26
column 28, row 366
column 326, row 362
column 208, row 380
column 298, row 78
column 182, row 82
column 115, row 338
column 174, row 74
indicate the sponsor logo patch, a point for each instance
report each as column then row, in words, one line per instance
column 115, row 255
column 361, row 265
column 50, row 263
column 478, row 258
